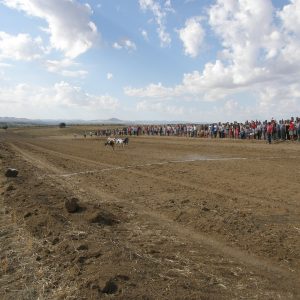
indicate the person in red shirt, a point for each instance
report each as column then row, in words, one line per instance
column 292, row 130
column 269, row 132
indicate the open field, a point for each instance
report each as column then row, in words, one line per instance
column 164, row 218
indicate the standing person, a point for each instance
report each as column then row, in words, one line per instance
column 269, row 132
column 292, row 129
column 259, row 130
column 282, row 129
column 298, row 128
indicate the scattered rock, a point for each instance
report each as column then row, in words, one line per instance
column 153, row 251
column 103, row 218
column 94, row 286
column 204, row 208
column 82, row 247
column 11, row 172
column 55, row 241
column 185, row 201
column 81, row 259
column 28, row 214
column 72, row 205
column 10, row 188
column 110, row 287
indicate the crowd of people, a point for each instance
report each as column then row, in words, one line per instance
column 259, row 130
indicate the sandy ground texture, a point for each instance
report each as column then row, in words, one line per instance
column 163, row 218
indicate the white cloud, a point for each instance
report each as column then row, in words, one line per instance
column 25, row 97
column 125, row 44
column 160, row 14
column 109, row 76
column 5, row 65
column 69, row 25
column 160, row 107
column 117, row 46
column 192, row 36
column 20, row 47
column 144, row 33
column 290, row 16
column 168, row 6
column 65, row 68
column 151, row 91
column 259, row 57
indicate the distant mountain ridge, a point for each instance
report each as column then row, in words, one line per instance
column 26, row 121
column 13, row 120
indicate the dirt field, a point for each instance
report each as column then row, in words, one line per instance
column 164, row 218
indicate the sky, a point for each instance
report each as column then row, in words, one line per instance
column 176, row 60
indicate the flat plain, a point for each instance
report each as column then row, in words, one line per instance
column 162, row 218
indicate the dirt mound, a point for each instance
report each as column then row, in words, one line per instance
column 103, row 218
column 72, row 205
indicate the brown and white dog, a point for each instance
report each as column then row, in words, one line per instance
column 111, row 142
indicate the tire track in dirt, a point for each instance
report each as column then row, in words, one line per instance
column 240, row 194
column 182, row 232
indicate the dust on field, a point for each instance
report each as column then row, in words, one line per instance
column 164, row 218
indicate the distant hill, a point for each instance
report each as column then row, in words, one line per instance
column 114, row 120
column 35, row 122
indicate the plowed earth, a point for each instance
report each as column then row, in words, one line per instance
column 164, row 218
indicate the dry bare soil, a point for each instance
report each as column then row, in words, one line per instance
column 164, row 218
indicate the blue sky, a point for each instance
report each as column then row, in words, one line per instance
column 185, row 60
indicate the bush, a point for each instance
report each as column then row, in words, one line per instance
column 62, row 125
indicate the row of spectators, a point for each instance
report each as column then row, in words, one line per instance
column 266, row 130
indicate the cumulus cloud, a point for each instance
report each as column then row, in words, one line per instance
column 124, row 44
column 69, row 25
column 290, row 16
column 192, row 36
column 151, row 91
column 259, row 56
column 160, row 14
column 65, row 68
column 60, row 95
column 71, row 95
column 161, row 108
column 20, row 47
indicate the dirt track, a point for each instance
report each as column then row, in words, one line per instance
column 165, row 218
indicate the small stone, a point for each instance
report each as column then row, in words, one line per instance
column 11, row 172
column 28, row 214
column 55, row 241
column 72, row 205
column 10, row 188
column 103, row 218
column 81, row 259
column 82, row 247
column 110, row 287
